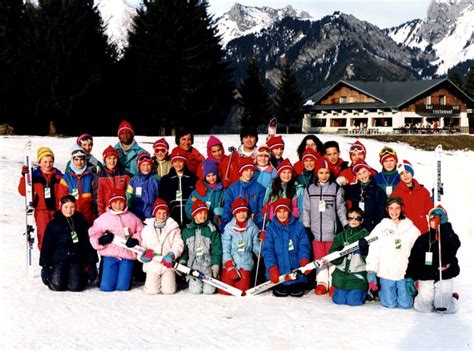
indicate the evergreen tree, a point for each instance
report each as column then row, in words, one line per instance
column 288, row 99
column 455, row 78
column 67, row 58
column 254, row 97
column 469, row 86
column 175, row 68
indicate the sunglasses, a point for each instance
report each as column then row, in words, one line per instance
column 387, row 151
column 162, row 150
column 355, row 218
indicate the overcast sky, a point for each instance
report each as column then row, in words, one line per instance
column 383, row 13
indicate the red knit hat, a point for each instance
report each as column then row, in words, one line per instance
column 281, row 204
column 245, row 163
column 117, row 194
column 198, row 206
column 161, row 144
column 357, row 147
column 83, row 137
column 276, row 142
column 144, row 157
column 125, row 126
column 309, row 153
column 263, row 150
column 159, row 204
column 178, row 154
column 361, row 164
column 285, row 164
column 110, row 151
column 322, row 163
column 238, row 205
column 386, row 153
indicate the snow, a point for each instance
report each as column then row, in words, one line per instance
column 34, row 317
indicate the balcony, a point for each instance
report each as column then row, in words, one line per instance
column 438, row 110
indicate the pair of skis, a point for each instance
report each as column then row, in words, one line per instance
column 182, row 268
column 29, row 210
column 296, row 273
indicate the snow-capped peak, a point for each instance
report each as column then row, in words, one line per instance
column 241, row 20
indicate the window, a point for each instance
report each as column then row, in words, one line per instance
column 318, row 122
column 442, row 100
column 427, row 100
column 343, row 99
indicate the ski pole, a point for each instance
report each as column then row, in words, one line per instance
column 260, row 248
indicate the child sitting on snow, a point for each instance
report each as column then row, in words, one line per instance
column 239, row 240
column 203, row 248
column 161, row 235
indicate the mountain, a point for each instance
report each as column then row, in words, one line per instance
column 241, row 20
column 447, row 31
column 322, row 52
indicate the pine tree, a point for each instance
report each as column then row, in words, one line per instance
column 68, row 55
column 469, row 85
column 254, row 97
column 456, row 79
column 288, row 99
column 175, row 68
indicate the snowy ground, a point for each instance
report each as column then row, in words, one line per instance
column 33, row 317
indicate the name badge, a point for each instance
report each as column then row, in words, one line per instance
column 388, row 190
column 126, row 232
column 179, row 195
column 138, row 191
column 199, row 250
column 428, row 258
column 362, row 204
column 398, row 244
column 47, row 193
column 75, row 193
column 322, row 205
column 74, row 237
column 241, row 246
column 208, row 203
column 291, row 247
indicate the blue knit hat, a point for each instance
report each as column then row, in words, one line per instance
column 209, row 166
column 406, row 166
column 439, row 211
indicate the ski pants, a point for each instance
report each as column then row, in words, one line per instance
column 393, row 293
column 156, row 283
column 323, row 273
column 67, row 276
column 116, row 274
column 197, row 286
column 432, row 295
column 351, row 297
column 42, row 218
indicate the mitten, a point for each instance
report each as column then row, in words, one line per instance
column 24, row 170
column 91, row 272
column 410, row 286
column 304, row 262
column 262, row 234
column 363, row 247
column 274, row 274
column 218, row 211
column 232, row 272
column 45, row 275
column 342, row 181
column 215, row 270
column 168, row 260
column 107, row 238
column 147, row 255
column 372, row 279
column 131, row 242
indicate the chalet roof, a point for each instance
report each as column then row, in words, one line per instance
column 387, row 94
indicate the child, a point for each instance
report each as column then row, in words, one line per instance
column 423, row 266
column 210, row 190
column 349, row 278
column 66, row 250
column 112, row 176
column 277, row 147
column 228, row 165
column 415, row 196
column 366, row 195
column 203, row 248
column 239, row 240
column 78, row 181
column 332, row 153
column 286, row 247
column 265, row 172
column 117, row 265
column 388, row 178
column 161, row 235
column 307, row 176
column 177, row 185
column 143, row 188
column 388, row 257
column 247, row 188
column 127, row 148
column 86, row 142
column 46, row 190
column 161, row 159
column 323, row 207
column 357, row 153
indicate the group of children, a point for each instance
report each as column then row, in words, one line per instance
column 220, row 214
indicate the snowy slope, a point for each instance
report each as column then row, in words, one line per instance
column 35, row 318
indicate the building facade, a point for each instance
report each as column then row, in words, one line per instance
column 388, row 107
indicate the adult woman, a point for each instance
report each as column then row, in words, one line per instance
column 309, row 141
column 185, row 140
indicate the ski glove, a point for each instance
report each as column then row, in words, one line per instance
column 24, row 170
column 168, row 260
column 131, row 242
column 304, row 262
column 410, row 286
column 262, row 235
column 215, row 270
column 274, row 274
column 91, row 272
column 218, row 211
column 232, row 272
column 147, row 255
column 372, row 279
column 107, row 238
column 363, row 247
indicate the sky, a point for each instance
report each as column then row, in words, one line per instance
column 383, row 13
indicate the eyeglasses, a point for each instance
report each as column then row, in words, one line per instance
column 356, row 218
column 387, row 151
column 162, row 150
